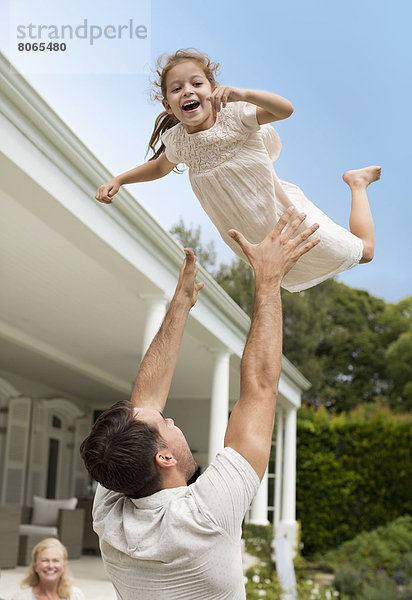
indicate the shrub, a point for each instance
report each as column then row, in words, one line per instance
column 258, row 540
column 352, row 473
column 376, row 565
column 388, row 548
column 347, row 580
column 379, row 587
column 259, row 585
column 261, row 580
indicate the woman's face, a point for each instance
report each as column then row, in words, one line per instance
column 50, row 565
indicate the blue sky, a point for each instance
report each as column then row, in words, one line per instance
column 345, row 66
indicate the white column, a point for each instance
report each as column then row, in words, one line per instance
column 259, row 510
column 155, row 312
column 289, row 468
column 278, row 471
column 219, row 408
column 288, row 527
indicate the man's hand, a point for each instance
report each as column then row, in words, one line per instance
column 106, row 191
column 250, row 427
column 186, row 286
column 156, row 370
column 279, row 251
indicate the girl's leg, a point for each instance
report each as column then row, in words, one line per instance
column 360, row 220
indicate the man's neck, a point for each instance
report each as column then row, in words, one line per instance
column 173, row 480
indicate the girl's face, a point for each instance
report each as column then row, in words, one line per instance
column 49, row 565
column 187, row 89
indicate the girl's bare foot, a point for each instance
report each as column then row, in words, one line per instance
column 362, row 177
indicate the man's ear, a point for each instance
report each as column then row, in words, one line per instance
column 165, row 459
column 166, row 106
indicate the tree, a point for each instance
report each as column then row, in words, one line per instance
column 306, row 322
column 190, row 237
column 354, row 358
column 399, row 369
column 238, row 281
column 353, row 347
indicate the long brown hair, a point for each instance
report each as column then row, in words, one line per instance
column 32, row 579
column 164, row 63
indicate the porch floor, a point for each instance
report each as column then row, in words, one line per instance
column 88, row 574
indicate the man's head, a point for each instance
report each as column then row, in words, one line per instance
column 136, row 451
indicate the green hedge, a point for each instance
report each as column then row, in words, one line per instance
column 353, row 473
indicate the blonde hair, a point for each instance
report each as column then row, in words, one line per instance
column 32, row 579
column 164, row 63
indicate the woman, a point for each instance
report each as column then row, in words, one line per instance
column 48, row 577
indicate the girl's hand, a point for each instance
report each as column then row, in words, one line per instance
column 222, row 95
column 106, row 191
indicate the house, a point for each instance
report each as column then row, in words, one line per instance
column 84, row 288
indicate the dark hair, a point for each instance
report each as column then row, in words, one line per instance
column 120, row 452
column 164, row 63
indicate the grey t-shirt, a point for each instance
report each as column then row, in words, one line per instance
column 181, row 543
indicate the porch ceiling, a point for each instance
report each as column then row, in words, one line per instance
column 68, row 321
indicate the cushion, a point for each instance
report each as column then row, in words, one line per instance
column 38, row 529
column 46, row 512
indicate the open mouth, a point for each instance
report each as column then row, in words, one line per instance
column 190, row 106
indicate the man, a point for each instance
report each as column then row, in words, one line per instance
column 161, row 539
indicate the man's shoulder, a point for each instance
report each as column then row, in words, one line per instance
column 228, row 465
column 224, row 491
column 230, row 456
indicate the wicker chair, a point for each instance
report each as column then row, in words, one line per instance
column 69, row 531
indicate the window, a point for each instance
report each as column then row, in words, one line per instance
column 52, row 468
column 56, row 422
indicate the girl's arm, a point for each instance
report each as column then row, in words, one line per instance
column 270, row 107
column 149, row 171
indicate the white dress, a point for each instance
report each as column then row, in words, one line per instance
column 231, row 173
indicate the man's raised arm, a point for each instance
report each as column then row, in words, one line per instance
column 250, row 427
column 158, row 365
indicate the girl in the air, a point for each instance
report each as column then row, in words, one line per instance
column 223, row 135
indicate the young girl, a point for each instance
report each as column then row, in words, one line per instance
column 222, row 135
